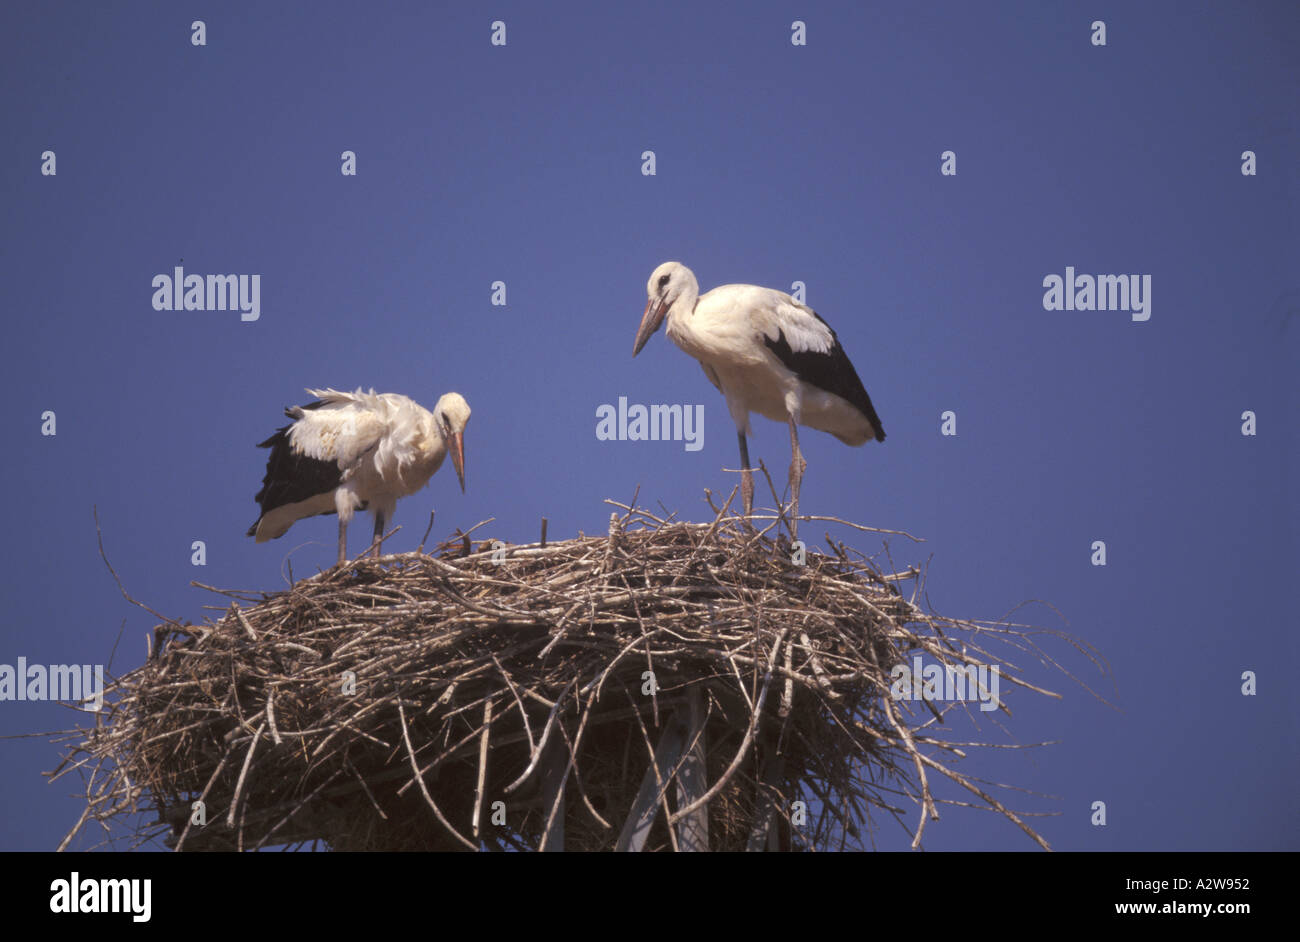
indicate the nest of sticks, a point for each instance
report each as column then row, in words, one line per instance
column 665, row 685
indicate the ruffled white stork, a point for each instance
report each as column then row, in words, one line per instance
column 350, row 451
column 768, row 354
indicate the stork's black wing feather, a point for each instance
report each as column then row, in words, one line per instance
column 831, row 371
column 290, row 475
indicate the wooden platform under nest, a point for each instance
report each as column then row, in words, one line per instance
column 666, row 685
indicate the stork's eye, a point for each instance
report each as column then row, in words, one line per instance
column 663, row 280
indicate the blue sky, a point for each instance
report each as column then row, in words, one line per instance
column 774, row 163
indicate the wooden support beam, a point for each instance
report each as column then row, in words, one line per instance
column 642, row 813
column 692, row 781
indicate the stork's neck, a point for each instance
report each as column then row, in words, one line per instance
column 432, row 445
column 679, row 312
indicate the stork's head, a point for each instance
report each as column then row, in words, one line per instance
column 452, row 414
column 668, row 283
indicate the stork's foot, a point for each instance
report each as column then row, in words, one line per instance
column 746, row 477
column 797, row 468
column 747, row 490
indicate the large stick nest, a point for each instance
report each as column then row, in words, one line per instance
column 303, row 716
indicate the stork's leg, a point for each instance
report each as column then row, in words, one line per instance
column 797, row 466
column 746, row 477
column 343, row 542
column 379, row 530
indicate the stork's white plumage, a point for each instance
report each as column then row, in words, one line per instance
column 768, row 354
column 357, row 450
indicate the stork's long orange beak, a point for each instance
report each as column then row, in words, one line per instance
column 650, row 321
column 458, row 457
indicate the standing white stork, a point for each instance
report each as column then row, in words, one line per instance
column 768, row 354
column 350, row 451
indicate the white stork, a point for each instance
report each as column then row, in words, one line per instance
column 767, row 353
column 350, row 451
